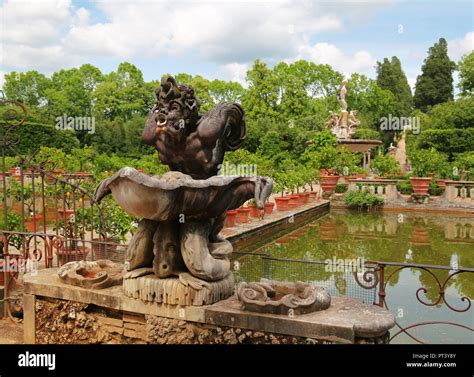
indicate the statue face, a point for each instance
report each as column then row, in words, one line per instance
column 177, row 109
column 171, row 119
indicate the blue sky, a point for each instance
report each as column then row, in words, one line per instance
column 219, row 39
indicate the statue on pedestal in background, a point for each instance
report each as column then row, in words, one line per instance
column 344, row 124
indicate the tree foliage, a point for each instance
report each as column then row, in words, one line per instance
column 435, row 84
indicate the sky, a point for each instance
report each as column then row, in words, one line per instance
column 221, row 39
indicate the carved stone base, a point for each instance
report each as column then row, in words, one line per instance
column 183, row 290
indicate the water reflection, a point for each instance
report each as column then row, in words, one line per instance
column 410, row 237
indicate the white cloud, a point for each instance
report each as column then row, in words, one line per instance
column 325, row 53
column 54, row 34
column 412, row 83
column 2, row 79
column 35, row 23
column 459, row 47
column 235, row 72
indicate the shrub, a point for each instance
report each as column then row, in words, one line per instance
column 385, row 165
column 404, row 187
column 434, row 189
column 341, row 188
column 362, row 200
column 366, row 133
column 428, row 161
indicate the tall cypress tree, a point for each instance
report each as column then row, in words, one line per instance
column 435, row 84
column 391, row 76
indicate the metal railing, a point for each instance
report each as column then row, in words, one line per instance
column 49, row 218
column 368, row 285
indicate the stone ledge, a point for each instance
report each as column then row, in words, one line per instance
column 47, row 284
column 344, row 322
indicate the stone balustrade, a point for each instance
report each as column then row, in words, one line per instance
column 459, row 191
column 387, row 188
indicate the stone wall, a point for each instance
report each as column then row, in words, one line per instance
column 62, row 322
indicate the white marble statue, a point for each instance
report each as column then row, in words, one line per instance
column 341, row 97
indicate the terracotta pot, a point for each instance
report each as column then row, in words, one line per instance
column 55, row 173
column 269, row 207
column 442, row 183
column 304, row 197
column 295, row 201
column 65, row 214
column 282, row 203
column 15, row 173
column 312, row 195
column 242, row 215
column 329, row 183
column 33, row 224
column 420, row 185
column 230, row 218
column 254, row 210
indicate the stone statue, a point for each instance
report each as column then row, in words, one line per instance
column 341, row 97
column 176, row 255
column 333, row 120
column 185, row 141
column 352, row 123
column 344, row 124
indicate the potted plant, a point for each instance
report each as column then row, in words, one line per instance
column 269, row 207
column 243, row 214
column 328, row 174
column 254, row 210
column 384, row 165
column 53, row 161
column 280, row 181
column 230, row 218
column 425, row 163
column 112, row 228
column 24, row 196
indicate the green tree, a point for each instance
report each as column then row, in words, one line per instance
column 261, row 98
column 224, row 91
column 293, row 98
column 122, row 94
column 29, row 87
column 466, row 74
column 390, row 76
column 435, row 84
column 373, row 104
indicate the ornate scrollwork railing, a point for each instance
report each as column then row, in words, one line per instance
column 375, row 278
column 54, row 217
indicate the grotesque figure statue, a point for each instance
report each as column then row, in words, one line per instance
column 177, row 255
column 185, row 141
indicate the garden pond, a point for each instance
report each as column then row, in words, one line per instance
column 412, row 238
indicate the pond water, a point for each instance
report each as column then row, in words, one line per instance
column 441, row 240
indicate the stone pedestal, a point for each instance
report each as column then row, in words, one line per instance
column 184, row 290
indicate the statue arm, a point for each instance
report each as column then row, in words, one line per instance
column 149, row 134
column 225, row 122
